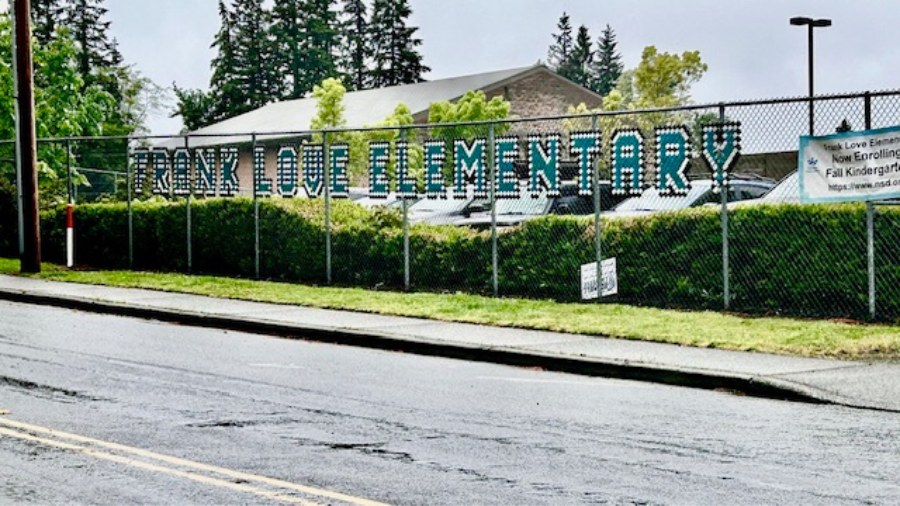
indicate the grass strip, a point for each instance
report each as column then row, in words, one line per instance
column 812, row 338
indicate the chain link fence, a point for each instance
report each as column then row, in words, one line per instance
column 458, row 208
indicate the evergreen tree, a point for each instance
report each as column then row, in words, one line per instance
column 287, row 39
column 251, row 55
column 85, row 20
column 561, row 49
column 355, row 44
column 194, row 107
column 225, row 87
column 577, row 66
column 396, row 59
column 607, row 65
column 115, row 56
column 47, row 16
column 101, row 63
column 321, row 43
column 304, row 38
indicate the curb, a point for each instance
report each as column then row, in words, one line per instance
column 770, row 388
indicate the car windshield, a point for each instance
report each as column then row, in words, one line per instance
column 522, row 206
column 651, row 201
column 375, row 202
column 517, row 207
column 438, row 206
column 788, row 190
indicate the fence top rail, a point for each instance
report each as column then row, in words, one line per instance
column 263, row 135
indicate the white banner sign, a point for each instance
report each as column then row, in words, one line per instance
column 609, row 283
column 850, row 166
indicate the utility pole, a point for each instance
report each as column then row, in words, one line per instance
column 31, row 254
column 20, row 227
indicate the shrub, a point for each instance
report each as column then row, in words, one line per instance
column 9, row 240
column 796, row 260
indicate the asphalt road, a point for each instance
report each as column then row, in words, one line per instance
column 146, row 410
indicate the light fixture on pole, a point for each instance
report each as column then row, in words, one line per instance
column 810, row 23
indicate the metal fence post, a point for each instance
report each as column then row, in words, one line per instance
column 495, row 278
column 870, row 250
column 325, row 161
column 595, row 174
column 68, row 172
column 405, row 202
column 70, row 232
column 726, row 271
column 870, row 220
column 128, row 181
column 188, row 207
column 255, row 210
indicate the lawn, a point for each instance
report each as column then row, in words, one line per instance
column 819, row 338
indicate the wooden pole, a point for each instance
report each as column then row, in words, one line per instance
column 31, row 254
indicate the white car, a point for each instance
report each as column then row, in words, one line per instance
column 509, row 212
column 390, row 202
column 787, row 191
column 700, row 194
column 446, row 210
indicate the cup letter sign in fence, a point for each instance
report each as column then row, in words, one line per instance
column 303, row 166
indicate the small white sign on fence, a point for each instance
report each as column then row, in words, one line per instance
column 609, row 283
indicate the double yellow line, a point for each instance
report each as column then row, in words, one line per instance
column 269, row 488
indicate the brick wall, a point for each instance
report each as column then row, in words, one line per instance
column 543, row 94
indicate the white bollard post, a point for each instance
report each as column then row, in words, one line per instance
column 70, row 235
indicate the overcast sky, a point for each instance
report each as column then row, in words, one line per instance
column 751, row 50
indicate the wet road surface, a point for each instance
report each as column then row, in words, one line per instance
column 147, row 408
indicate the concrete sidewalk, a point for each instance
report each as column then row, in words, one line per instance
column 856, row 384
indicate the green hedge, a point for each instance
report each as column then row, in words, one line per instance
column 9, row 239
column 794, row 260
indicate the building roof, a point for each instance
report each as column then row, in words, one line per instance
column 362, row 108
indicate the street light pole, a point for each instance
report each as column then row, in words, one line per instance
column 811, row 66
column 810, row 23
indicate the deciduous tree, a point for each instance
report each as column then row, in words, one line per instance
column 665, row 79
column 60, row 111
column 473, row 106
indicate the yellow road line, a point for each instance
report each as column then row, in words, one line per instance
column 153, row 467
column 188, row 464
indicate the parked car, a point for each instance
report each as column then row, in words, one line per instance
column 787, row 191
column 441, row 211
column 355, row 193
column 511, row 212
column 700, row 194
column 570, row 202
column 390, row 202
